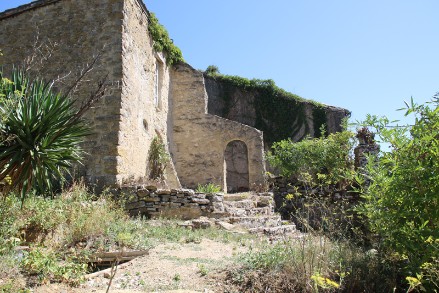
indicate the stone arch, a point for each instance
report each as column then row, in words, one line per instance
column 236, row 167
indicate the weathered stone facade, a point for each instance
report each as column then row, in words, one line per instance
column 278, row 115
column 145, row 97
column 69, row 33
column 200, row 139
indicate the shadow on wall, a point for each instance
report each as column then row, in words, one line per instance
column 236, row 167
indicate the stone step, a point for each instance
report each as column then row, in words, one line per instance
column 241, row 204
column 238, row 212
column 264, row 201
column 270, row 231
column 267, row 211
column 249, row 222
column 236, row 196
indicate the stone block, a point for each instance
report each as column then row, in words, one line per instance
column 183, row 213
column 200, row 201
column 215, row 197
column 151, row 199
column 201, row 223
column 163, row 192
column 165, row 198
column 151, row 188
column 143, row 192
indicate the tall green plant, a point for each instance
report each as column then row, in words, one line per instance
column 324, row 160
column 41, row 132
column 402, row 201
column 157, row 158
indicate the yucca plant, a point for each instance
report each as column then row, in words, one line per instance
column 40, row 133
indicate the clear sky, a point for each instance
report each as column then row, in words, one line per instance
column 364, row 55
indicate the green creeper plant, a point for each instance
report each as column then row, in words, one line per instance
column 40, row 134
column 162, row 41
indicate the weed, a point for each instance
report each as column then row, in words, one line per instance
column 203, row 270
column 177, row 277
column 208, row 188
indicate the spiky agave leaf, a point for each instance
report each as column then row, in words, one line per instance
column 44, row 134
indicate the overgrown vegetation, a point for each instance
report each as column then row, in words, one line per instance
column 62, row 233
column 314, row 264
column 399, row 250
column 402, row 202
column 316, row 161
column 162, row 41
column 290, row 118
column 40, row 133
column 157, row 158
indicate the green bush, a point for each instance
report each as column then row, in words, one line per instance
column 324, row 160
column 208, row 188
column 402, row 202
column 40, row 132
column 158, row 157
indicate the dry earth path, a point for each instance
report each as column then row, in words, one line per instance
column 170, row 267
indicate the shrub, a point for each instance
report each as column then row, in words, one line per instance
column 402, row 203
column 208, row 188
column 40, row 133
column 157, row 158
column 324, row 160
column 212, row 70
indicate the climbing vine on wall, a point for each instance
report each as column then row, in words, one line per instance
column 279, row 114
column 162, row 41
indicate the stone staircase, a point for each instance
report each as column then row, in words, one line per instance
column 255, row 213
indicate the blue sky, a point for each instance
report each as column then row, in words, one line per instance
column 367, row 56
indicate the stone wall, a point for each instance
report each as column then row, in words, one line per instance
column 142, row 117
column 57, row 40
column 200, row 139
column 61, row 38
column 171, row 203
column 316, row 207
column 279, row 117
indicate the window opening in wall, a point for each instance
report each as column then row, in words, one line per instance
column 158, row 76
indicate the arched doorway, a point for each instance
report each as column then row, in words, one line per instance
column 236, row 178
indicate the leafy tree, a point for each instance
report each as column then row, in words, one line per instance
column 40, row 133
column 402, row 201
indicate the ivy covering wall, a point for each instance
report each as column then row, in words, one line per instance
column 279, row 114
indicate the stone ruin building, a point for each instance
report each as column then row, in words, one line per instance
column 214, row 131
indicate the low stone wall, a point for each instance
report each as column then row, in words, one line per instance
column 170, row 203
column 315, row 207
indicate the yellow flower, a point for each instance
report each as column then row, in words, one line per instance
column 414, row 282
column 324, row 282
column 429, row 239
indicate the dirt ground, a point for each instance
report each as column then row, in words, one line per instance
column 170, row 267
